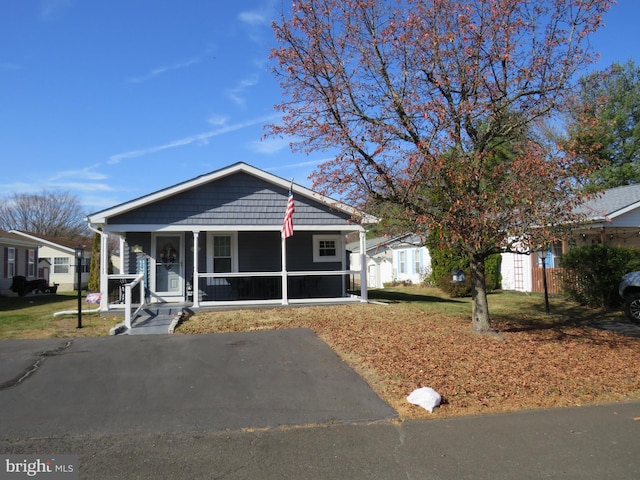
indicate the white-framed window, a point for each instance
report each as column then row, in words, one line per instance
column 327, row 248
column 222, row 254
column 402, row 261
column 86, row 265
column 31, row 263
column 551, row 256
column 61, row 265
column 417, row 264
column 11, row 262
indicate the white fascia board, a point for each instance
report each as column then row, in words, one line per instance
column 19, row 242
column 229, row 228
column 31, row 239
column 622, row 211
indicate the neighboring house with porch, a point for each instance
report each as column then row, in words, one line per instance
column 217, row 240
column 612, row 218
column 401, row 258
column 57, row 260
column 18, row 257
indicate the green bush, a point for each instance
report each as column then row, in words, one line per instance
column 445, row 261
column 592, row 273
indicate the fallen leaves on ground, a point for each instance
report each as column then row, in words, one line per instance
column 398, row 350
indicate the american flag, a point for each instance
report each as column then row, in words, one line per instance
column 287, row 225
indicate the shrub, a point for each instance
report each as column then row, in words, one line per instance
column 445, row 261
column 592, row 273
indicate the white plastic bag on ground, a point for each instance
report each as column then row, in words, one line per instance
column 425, row 397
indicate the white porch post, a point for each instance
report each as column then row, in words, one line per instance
column 104, row 270
column 285, row 294
column 364, row 296
column 195, row 283
column 121, row 259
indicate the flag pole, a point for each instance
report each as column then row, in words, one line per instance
column 285, row 293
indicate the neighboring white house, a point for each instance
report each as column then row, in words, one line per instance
column 411, row 259
column 612, row 218
column 57, row 261
column 402, row 258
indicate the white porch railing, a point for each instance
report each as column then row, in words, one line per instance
column 273, row 287
column 125, row 296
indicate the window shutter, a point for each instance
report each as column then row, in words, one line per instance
column 6, row 262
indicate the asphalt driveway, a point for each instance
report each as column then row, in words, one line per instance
column 165, row 383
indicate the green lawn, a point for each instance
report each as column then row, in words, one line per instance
column 32, row 317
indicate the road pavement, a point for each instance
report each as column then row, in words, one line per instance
column 274, row 405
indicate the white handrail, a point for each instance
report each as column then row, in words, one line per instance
column 128, row 316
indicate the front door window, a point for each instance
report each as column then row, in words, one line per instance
column 168, row 265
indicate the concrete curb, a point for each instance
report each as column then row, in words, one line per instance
column 118, row 329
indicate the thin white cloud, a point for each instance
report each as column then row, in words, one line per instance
column 164, row 69
column 254, row 17
column 198, row 138
column 269, row 146
column 217, row 120
column 258, row 22
column 87, row 173
column 82, row 186
column 236, row 94
column 297, row 165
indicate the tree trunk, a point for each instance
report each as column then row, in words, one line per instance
column 480, row 322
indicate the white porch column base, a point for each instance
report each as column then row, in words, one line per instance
column 364, row 295
column 104, row 270
column 195, row 284
column 285, row 293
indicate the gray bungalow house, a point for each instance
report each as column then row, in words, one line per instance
column 217, row 240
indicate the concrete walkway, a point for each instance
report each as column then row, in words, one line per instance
column 149, row 325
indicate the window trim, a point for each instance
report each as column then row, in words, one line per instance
column 317, row 239
column 31, row 263
column 234, row 254
column 65, row 262
column 402, row 262
column 11, row 262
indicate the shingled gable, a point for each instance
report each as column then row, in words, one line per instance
column 240, row 195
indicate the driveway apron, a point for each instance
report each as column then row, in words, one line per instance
column 163, row 383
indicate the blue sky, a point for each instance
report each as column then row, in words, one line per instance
column 110, row 100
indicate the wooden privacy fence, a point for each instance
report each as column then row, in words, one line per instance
column 553, row 280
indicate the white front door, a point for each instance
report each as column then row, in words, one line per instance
column 168, row 271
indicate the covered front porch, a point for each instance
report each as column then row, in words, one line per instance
column 233, row 268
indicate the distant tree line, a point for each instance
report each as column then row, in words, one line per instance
column 52, row 213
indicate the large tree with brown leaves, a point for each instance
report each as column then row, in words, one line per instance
column 430, row 106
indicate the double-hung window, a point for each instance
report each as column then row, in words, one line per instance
column 61, row 265
column 222, row 256
column 11, row 262
column 402, row 261
column 31, row 263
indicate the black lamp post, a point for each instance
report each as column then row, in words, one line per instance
column 79, row 258
column 542, row 255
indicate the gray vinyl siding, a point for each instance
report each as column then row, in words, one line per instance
column 259, row 252
column 239, row 199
